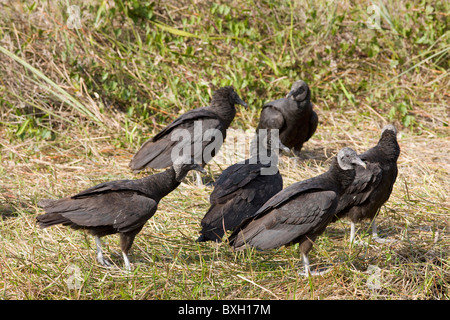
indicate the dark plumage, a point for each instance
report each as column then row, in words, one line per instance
column 372, row 187
column 122, row 206
column 300, row 212
column 157, row 152
column 293, row 116
column 239, row 192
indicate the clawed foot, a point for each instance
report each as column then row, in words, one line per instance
column 284, row 148
column 316, row 272
column 105, row 263
column 375, row 239
column 359, row 243
column 383, row 240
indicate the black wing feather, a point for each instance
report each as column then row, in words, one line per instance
column 305, row 214
column 157, row 151
column 239, row 193
column 124, row 211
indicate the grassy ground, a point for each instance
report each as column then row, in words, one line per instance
column 76, row 104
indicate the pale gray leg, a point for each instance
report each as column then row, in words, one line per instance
column 126, row 261
column 100, row 257
column 353, row 235
column 307, row 271
column 375, row 236
column 374, row 229
column 283, row 147
column 352, row 232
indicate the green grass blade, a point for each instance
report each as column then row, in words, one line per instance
column 175, row 31
column 46, row 110
column 443, row 51
column 58, row 91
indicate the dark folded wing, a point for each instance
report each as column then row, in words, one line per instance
column 124, row 211
column 185, row 132
column 232, row 208
column 365, row 183
column 308, row 213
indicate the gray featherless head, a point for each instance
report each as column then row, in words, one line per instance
column 348, row 159
column 389, row 127
column 183, row 165
column 299, row 91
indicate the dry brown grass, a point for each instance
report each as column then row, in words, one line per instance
column 169, row 264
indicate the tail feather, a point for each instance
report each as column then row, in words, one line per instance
column 202, row 238
column 209, row 237
column 45, row 203
column 50, row 219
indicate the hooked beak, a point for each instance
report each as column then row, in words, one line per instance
column 358, row 161
column 242, row 103
column 200, row 169
column 290, row 93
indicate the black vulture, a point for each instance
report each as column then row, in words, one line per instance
column 372, row 187
column 293, row 116
column 240, row 191
column 121, row 206
column 300, row 212
column 199, row 133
